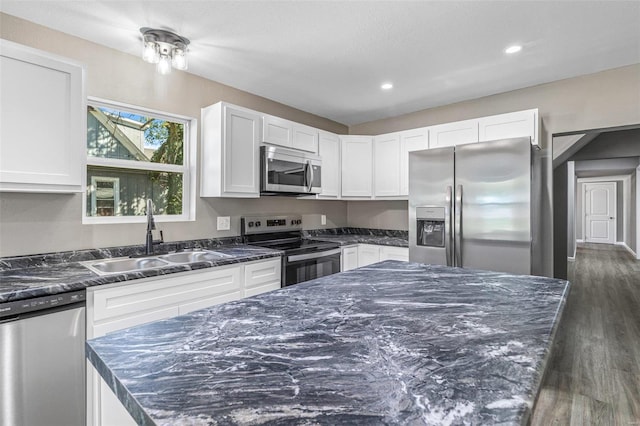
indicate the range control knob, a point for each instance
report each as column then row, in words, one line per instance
column 250, row 224
column 293, row 222
column 258, row 223
column 298, row 222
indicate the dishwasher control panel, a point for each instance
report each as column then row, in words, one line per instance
column 18, row 307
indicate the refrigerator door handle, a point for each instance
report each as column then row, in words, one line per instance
column 458, row 226
column 448, row 237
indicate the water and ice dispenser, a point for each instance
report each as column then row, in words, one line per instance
column 430, row 226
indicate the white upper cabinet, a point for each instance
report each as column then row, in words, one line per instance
column 278, row 131
column 451, row 134
column 410, row 140
column 42, row 121
column 386, row 165
column 305, row 138
column 511, row 125
column 230, row 152
column 329, row 150
column 357, row 156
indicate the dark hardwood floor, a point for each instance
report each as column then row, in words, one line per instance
column 593, row 377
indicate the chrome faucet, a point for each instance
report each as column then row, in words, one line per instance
column 151, row 225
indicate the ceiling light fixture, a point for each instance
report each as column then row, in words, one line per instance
column 513, row 49
column 165, row 49
column 386, row 86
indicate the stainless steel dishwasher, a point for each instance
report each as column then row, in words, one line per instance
column 42, row 366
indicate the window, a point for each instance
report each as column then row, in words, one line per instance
column 134, row 154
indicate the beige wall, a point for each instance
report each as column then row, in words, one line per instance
column 605, row 99
column 39, row 223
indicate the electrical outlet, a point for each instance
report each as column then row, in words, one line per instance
column 323, row 219
column 224, row 223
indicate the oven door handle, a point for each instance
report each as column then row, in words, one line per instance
column 299, row 257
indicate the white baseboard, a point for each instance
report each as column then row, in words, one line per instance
column 579, row 241
column 623, row 244
column 571, row 259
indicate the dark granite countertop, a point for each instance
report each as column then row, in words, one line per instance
column 348, row 236
column 27, row 277
column 392, row 343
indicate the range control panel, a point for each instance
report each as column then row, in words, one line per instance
column 262, row 224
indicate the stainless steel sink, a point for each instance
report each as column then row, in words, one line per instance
column 193, row 256
column 115, row 266
column 122, row 265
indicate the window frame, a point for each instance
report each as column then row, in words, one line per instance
column 116, row 194
column 187, row 168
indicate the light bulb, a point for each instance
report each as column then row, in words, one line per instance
column 179, row 59
column 164, row 65
column 151, row 52
column 513, row 49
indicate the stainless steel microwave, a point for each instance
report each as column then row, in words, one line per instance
column 286, row 171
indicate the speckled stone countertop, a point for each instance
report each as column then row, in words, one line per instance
column 347, row 236
column 392, row 343
column 26, row 277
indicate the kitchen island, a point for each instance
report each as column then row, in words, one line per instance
column 392, row 343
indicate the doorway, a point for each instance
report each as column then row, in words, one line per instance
column 595, row 156
column 599, row 207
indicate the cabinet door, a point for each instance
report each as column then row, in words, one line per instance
column 349, row 259
column 356, row 167
column 368, row 254
column 451, row 134
column 230, row 152
column 43, row 121
column 329, row 150
column 410, row 140
column 277, row 131
column 386, row 165
column 241, row 153
column 305, row 138
column 261, row 277
column 394, row 253
column 511, row 125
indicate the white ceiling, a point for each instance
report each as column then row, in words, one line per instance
column 330, row 57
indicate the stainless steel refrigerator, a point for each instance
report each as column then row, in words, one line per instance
column 472, row 206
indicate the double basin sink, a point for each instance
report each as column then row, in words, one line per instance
column 123, row 265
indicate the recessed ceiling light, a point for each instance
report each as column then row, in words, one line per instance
column 513, row 49
column 386, row 86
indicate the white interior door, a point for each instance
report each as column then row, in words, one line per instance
column 600, row 212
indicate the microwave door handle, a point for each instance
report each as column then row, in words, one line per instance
column 308, row 176
column 311, row 179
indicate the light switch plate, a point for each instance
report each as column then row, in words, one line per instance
column 323, row 219
column 224, row 223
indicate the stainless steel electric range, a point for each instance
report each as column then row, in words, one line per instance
column 303, row 259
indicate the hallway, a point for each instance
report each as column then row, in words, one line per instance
column 593, row 377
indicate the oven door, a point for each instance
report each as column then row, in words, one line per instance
column 308, row 266
column 289, row 171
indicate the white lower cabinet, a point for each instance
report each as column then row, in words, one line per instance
column 349, row 259
column 359, row 255
column 368, row 254
column 394, row 253
column 115, row 307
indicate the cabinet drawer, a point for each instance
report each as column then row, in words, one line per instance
column 208, row 302
column 264, row 288
column 115, row 324
column 171, row 290
column 259, row 273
